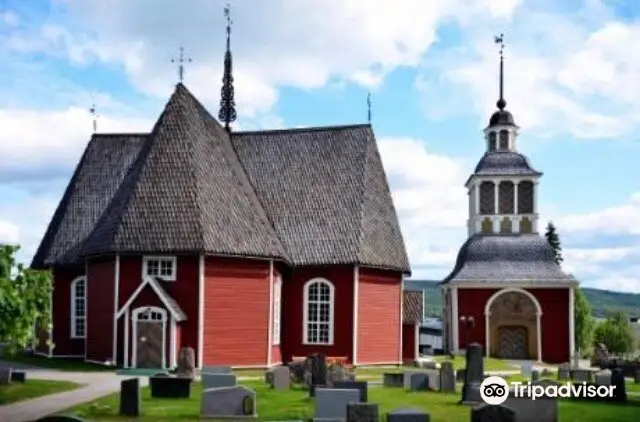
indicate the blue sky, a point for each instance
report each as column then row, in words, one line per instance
column 571, row 84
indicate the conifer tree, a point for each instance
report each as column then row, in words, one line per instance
column 554, row 240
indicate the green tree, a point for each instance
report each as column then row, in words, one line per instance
column 24, row 300
column 583, row 320
column 554, row 240
column 616, row 333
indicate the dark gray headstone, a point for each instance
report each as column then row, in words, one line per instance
column 535, row 375
column 581, row 375
column 186, row 363
column 492, row 413
column 603, row 377
column 474, row 374
column 60, row 418
column 5, row 376
column 318, row 367
column 447, row 378
column 331, row 403
column 238, row 401
column 416, row 381
column 18, row 376
column 216, row 370
column 170, row 387
column 130, row 397
column 279, row 378
column 461, row 374
column 564, row 373
column 393, row 379
column 362, row 412
column 361, row 386
column 408, row 415
column 617, row 380
column 218, row 380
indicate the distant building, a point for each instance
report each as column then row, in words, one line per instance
column 430, row 338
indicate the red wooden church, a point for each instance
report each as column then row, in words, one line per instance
column 250, row 247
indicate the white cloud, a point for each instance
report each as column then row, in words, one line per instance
column 621, row 219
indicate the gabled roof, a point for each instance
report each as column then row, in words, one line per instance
column 186, row 192
column 155, row 283
column 326, row 193
column 99, row 173
column 508, row 259
column 412, row 306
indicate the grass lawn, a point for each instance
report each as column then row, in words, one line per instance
column 17, row 391
column 294, row 404
column 62, row 364
column 490, row 364
column 633, row 387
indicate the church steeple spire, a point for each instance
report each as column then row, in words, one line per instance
column 502, row 103
column 227, row 112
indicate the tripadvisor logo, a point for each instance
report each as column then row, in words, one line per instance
column 495, row 390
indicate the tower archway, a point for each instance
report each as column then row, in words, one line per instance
column 512, row 323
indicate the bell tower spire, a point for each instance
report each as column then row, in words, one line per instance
column 502, row 103
column 227, row 112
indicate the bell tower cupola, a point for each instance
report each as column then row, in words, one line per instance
column 503, row 188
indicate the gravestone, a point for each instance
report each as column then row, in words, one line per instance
column 362, row 412
column 535, row 375
column 18, row 376
column 600, row 355
column 331, row 403
column 218, row 380
column 474, row 375
column 564, row 372
column 603, row 377
column 279, row 378
column 170, row 387
column 318, row 368
column 130, row 397
column 581, row 375
column 543, row 409
column 361, row 386
column 429, row 364
column 5, row 376
column 162, row 374
column 216, row 370
column 228, row 402
column 416, row 381
column 447, row 378
column 60, row 418
column 187, row 363
column 338, row 372
column 408, row 415
column 636, row 376
column 620, row 390
column 433, row 379
column 393, row 379
column 526, row 369
column 492, row 413
column 461, row 374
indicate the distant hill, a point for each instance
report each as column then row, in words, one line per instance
column 603, row 302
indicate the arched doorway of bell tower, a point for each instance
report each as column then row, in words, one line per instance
column 513, row 325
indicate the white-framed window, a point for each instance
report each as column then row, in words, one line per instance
column 319, row 295
column 164, row 267
column 277, row 309
column 79, row 307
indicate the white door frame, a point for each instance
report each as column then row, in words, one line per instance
column 134, row 320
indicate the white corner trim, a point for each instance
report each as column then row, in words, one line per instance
column 572, row 345
column 174, row 266
column 416, row 344
column 172, row 342
column 305, row 304
column 116, row 302
column 270, row 314
column 401, row 319
column 72, row 319
column 86, row 304
column 454, row 320
column 126, row 338
column 201, row 265
column 151, row 282
column 134, row 320
column 50, row 339
column 356, row 301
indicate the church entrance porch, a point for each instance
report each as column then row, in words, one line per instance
column 149, row 330
column 512, row 323
column 512, row 343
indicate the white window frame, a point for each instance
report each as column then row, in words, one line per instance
column 305, row 325
column 160, row 259
column 277, row 310
column 74, row 318
column 135, row 317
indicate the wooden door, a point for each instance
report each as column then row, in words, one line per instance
column 149, row 344
column 513, row 343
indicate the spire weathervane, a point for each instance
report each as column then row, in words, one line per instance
column 227, row 112
column 499, row 39
column 369, row 107
column 181, row 61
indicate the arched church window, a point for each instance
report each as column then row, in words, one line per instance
column 318, row 321
column 506, row 225
column 487, row 198
column 504, row 140
column 492, row 141
column 487, row 226
column 506, row 197
column 525, row 197
column 525, row 225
